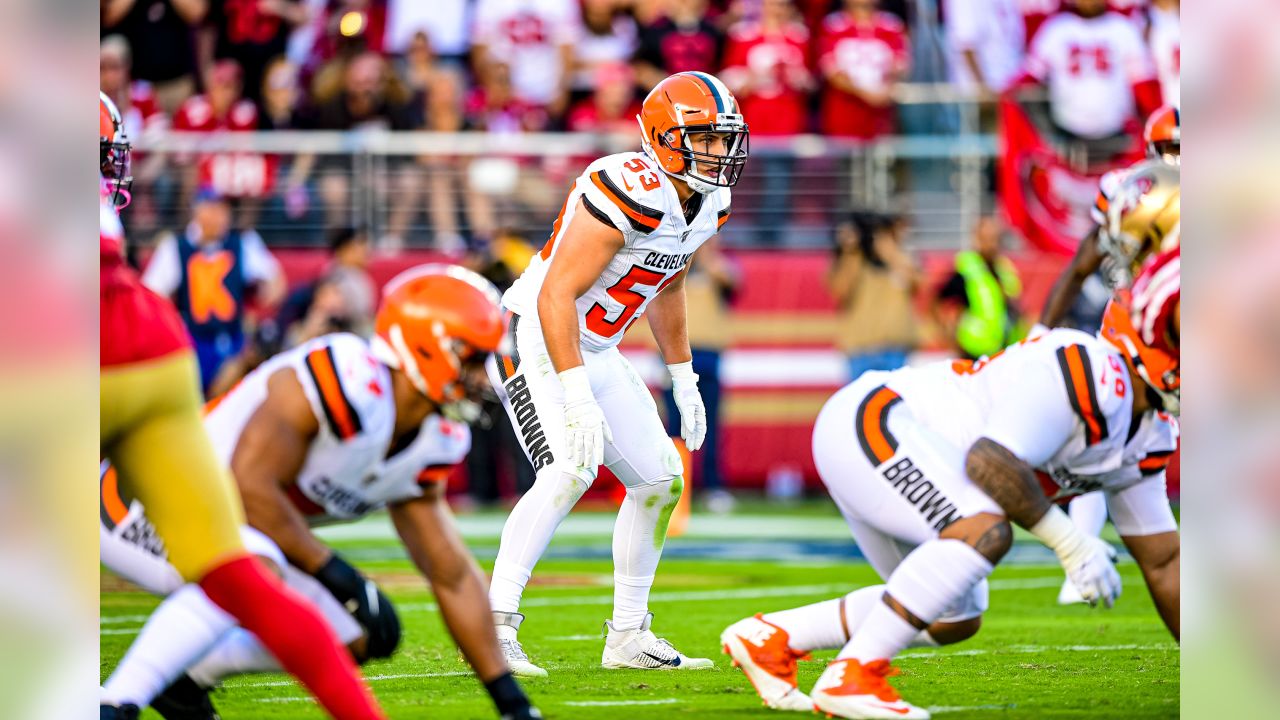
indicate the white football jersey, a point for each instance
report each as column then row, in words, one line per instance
column 1090, row 66
column 629, row 192
column 1062, row 401
column 1165, row 38
column 346, row 473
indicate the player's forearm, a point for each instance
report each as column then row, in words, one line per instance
column 269, row 511
column 669, row 323
column 1008, row 480
column 558, row 315
column 1160, row 558
column 436, row 549
column 1067, row 288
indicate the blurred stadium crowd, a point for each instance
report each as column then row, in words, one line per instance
column 824, row 85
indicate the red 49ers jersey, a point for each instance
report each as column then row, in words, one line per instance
column 626, row 191
column 346, row 473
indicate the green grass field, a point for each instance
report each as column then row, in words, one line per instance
column 1032, row 659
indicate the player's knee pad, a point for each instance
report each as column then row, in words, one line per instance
column 662, row 494
column 571, row 483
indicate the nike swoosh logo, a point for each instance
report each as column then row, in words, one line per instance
column 630, row 189
column 673, row 662
column 900, row 711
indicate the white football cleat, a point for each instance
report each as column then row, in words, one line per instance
column 507, row 624
column 849, row 689
column 1070, row 595
column 762, row 651
column 640, row 649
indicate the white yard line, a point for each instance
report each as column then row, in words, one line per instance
column 619, row 703
column 1033, row 649
column 688, row 596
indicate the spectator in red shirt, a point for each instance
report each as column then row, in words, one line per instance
column 766, row 70
column 765, row 67
column 494, row 107
column 862, row 54
column 612, row 108
column 682, row 40
column 222, row 107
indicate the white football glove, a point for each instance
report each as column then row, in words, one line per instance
column 693, row 414
column 1090, row 562
column 585, row 430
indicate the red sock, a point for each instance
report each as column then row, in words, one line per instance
column 295, row 633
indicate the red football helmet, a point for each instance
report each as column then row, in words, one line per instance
column 1144, row 324
column 437, row 324
column 114, row 149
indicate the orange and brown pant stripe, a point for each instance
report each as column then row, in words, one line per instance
column 872, row 424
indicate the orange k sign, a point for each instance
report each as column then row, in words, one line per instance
column 206, row 276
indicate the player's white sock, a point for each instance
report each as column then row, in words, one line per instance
column 185, row 626
column 527, row 533
column 638, row 536
column 929, row 580
column 238, row 652
column 819, row 626
column 1089, row 513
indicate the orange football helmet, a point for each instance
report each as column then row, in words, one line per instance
column 1163, row 135
column 437, row 324
column 682, row 121
column 1144, row 324
column 114, row 151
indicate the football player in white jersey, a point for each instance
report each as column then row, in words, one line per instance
column 328, row 432
column 930, row 465
column 620, row 246
column 1145, row 195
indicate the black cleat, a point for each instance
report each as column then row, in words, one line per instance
column 185, row 700
column 123, row 712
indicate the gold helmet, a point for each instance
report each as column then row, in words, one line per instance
column 1143, row 217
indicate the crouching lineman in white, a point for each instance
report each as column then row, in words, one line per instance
column 328, row 432
column 929, row 465
column 621, row 245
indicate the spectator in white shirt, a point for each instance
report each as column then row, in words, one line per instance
column 1164, row 36
column 447, row 24
column 1098, row 70
column 535, row 39
column 986, row 45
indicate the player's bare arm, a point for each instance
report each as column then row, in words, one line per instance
column 1160, row 558
column 269, row 455
column 1066, row 289
column 668, row 320
column 588, row 246
column 426, row 527
column 1008, row 480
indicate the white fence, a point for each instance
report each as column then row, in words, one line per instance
column 430, row 189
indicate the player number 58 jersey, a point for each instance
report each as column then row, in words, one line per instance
column 626, row 191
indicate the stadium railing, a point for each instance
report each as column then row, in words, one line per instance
column 422, row 189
